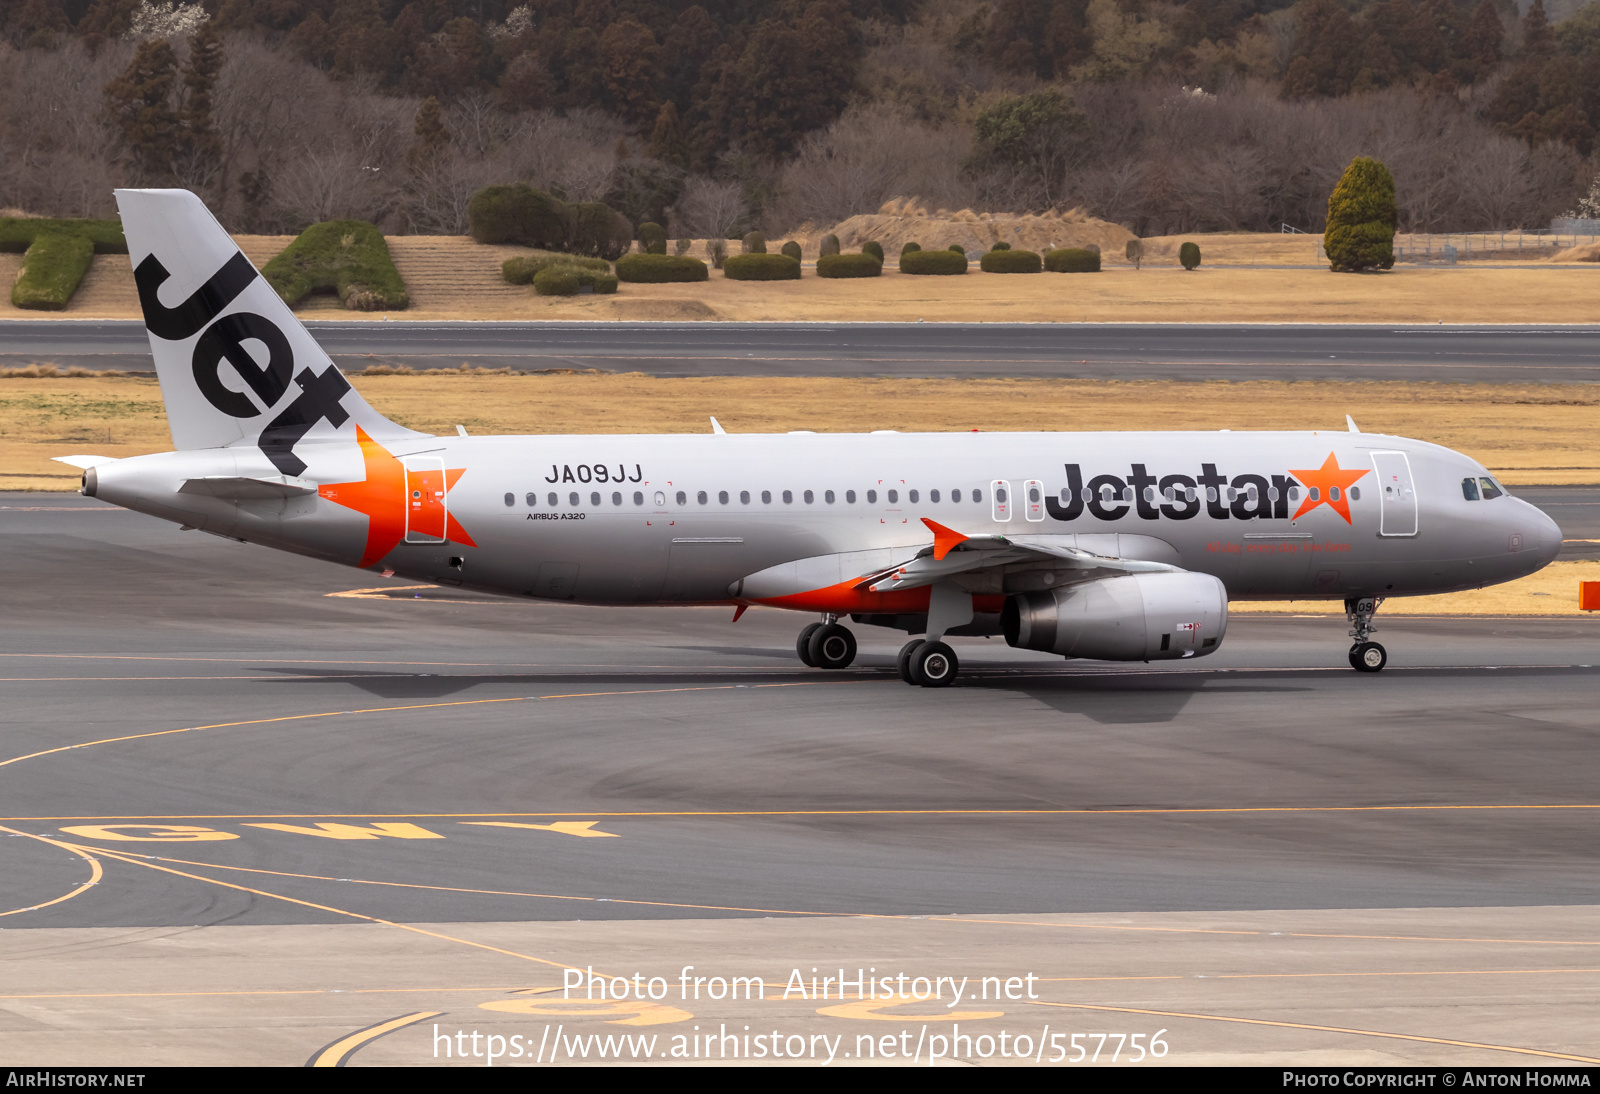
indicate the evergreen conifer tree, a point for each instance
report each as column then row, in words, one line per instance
column 140, row 105
column 1361, row 218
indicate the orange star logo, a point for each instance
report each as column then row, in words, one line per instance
column 382, row 497
column 1327, row 485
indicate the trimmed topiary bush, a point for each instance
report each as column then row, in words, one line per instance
column 761, row 267
column 933, row 262
column 52, row 269
column 520, row 214
column 522, row 269
column 1023, row 262
column 958, row 248
column 1072, row 260
column 556, row 281
column 601, row 231
column 346, row 257
column 1002, row 245
column 652, row 238
column 912, row 246
column 18, row 233
column 57, row 255
column 659, row 269
column 1189, row 255
column 754, row 244
column 830, row 244
column 848, row 266
column 792, row 249
column 874, row 248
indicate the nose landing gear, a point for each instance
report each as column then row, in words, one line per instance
column 1365, row 655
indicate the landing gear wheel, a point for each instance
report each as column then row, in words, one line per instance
column 934, row 665
column 802, row 645
column 832, row 647
column 1368, row 657
column 903, row 662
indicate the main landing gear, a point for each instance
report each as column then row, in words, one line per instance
column 826, row 645
column 928, row 664
column 1365, row 655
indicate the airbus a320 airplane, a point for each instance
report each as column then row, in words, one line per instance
column 1111, row 546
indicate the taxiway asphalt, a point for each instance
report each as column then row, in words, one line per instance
column 1457, row 354
column 249, row 817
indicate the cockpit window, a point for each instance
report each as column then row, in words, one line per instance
column 1491, row 489
column 1469, row 489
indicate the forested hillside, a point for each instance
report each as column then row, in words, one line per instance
column 715, row 117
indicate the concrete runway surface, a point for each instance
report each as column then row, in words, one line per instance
column 250, row 817
column 1455, row 354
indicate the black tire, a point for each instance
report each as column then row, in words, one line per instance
column 903, row 662
column 1368, row 657
column 832, row 647
column 802, row 645
column 934, row 665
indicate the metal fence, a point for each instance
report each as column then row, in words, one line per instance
column 1454, row 247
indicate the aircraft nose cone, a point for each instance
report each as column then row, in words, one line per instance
column 1543, row 535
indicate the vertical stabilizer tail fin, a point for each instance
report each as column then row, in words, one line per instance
column 236, row 367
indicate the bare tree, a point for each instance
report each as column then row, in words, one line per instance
column 708, row 209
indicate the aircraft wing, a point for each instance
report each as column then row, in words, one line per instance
column 953, row 553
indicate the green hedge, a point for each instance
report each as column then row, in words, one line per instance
column 1009, row 261
column 792, row 249
column 18, row 233
column 874, row 248
column 933, row 262
column 601, row 231
column 761, row 267
column 1001, row 246
column 652, row 238
column 830, row 244
column 657, row 269
column 912, row 246
column 848, row 266
column 346, row 257
column 51, row 271
column 522, row 269
column 565, row 280
column 755, row 244
column 1072, row 260
column 1189, row 255
column 520, row 214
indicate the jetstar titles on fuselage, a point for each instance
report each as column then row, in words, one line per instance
column 1182, row 497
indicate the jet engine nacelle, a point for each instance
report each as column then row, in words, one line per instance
column 1136, row 617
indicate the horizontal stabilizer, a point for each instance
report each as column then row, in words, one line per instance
column 236, row 488
column 83, row 463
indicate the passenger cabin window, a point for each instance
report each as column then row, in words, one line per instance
column 933, row 496
column 616, row 497
column 913, row 497
column 532, row 500
column 827, row 496
column 894, row 497
column 744, row 497
column 554, row 500
column 638, row 497
column 722, row 497
column 872, row 497
column 683, row 499
column 955, row 495
column 850, row 496
column 809, row 496
column 661, row 500
column 766, row 497
column 511, row 499
column 572, row 498
column 1355, row 493
column 701, row 497
column 977, row 497
column 594, row 497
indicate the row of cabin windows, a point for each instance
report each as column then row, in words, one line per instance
column 1170, row 494
column 702, row 497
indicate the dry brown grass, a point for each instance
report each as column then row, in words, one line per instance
column 1535, row 433
column 454, row 278
column 1551, row 591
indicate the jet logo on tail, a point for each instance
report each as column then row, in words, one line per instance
column 223, row 339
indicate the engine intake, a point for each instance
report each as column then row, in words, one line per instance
column 1137, row 617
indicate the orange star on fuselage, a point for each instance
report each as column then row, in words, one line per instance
column 382, row 497
column 1320, row 485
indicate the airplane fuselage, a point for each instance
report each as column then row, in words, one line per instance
column 675, row 519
